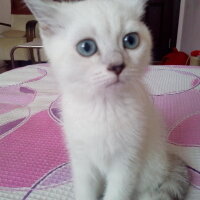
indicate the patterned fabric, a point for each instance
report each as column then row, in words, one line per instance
column 34, row 162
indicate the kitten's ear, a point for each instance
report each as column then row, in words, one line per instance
column 139, row 6
column 46, row 12
column 141, row 2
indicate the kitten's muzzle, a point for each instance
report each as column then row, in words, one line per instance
column 117, row 69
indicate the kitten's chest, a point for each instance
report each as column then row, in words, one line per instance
column 103, row 131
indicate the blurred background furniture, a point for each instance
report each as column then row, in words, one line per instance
column 23, row 28
column 35, row 44
column 162, row 17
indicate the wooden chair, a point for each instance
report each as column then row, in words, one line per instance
column 23, row 28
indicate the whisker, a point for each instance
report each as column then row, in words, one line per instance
column 102, row 82
column 99, row 77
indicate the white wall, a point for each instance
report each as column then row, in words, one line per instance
column 189, row 26
column 5, row 10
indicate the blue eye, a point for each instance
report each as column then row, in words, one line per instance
column 131, row 41
column 87, row 47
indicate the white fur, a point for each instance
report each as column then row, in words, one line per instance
column 113, row 132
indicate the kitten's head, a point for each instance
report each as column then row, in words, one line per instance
column 94, row 45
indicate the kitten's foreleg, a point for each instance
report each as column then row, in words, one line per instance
column 86, row 183
column 120, row 182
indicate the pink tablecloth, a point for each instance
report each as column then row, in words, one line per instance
column 34, row 162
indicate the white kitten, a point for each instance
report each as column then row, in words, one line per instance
column 99, row 50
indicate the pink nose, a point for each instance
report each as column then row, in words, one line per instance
column 117, row 69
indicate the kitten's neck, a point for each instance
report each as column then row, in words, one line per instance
column 130, row 94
